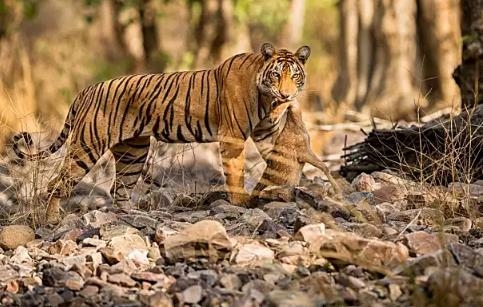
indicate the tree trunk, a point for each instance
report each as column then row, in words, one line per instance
column 346, row 83
column 147, row 16
column 112, row 30
column 380, row 69
column 393, row 87
column 439, row 38
column 292, row 34
column 212, row 31
column 467, row 75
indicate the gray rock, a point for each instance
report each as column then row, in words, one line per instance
column 284, row 298
column 255, row 217
column 193, row 294
column 97, row 218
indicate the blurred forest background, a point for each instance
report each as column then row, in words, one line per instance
column 385, row 58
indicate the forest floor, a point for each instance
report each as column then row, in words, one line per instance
column 385, row 241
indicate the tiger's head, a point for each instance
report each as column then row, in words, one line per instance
column 282, row 76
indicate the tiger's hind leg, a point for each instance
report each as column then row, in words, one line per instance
column 130, row 157
column 77, row 163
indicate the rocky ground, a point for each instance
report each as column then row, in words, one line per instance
column 384, row 242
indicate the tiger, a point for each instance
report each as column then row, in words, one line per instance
column 224, row 104
column 287, row 153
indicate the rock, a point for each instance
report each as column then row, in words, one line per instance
column 158, row 299
column 355, row 283
column 209, row 277
column 21, row 255
column 162, row 232
column 461, row 224
column 56, row 277
column 70, row 261
column 73, row 234
column 193, row 294
column 255, row 217
column 388, row 177
column 394, row 292
column 479, row 222
column 95, row 259
column 259, row 285
column 455, row 287
column 417, row 266
column 278, row 193
column 466, row 189
column 129, row 245
column 284, row 213
column 222, row 206
column 372, row 254
column 253, row 253
column 98, row 218
column 150, row 277
column 191, row 216
column 54, row 299
column 116, row 229
column 139, row 257
column 284, row 298
column 311, row 195
column 74, row 282
column 364, row 183
column 466, row 256
column 111, row 289
column 94, row 242
column 140, row 220
column 62, row 247
column 89, row 291
column 422, row 243
column 427, row 216
column 12, row 286
column 293, row 248
column 365, row 230
column 8, row 273
column 112, row 256
column 386, row 209
column 390, row 193
column 122, row 280
column 154, row 253
column 355, row 198
column 156, row 199
column 231, row 282
column 310, row 233
column 324, row 285
column 13, row 236
column 206, row 238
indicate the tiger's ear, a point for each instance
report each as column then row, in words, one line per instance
column 303, row 54
column 267, row 50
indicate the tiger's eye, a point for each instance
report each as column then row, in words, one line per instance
column 275, row 75
column 296, row 75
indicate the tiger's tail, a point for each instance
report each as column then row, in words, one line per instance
column 56, row 145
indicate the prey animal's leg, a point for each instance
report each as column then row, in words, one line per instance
column 130, row 157
column 311, row 158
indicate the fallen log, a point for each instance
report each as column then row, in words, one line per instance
column 446, row 149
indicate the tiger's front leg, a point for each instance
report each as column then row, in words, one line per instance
column 233, row 160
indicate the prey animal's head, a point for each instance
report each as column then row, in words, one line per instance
column 282, row 76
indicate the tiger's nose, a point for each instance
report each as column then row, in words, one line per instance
column 284, row 95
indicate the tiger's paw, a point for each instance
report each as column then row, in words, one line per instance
column 240, row 199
